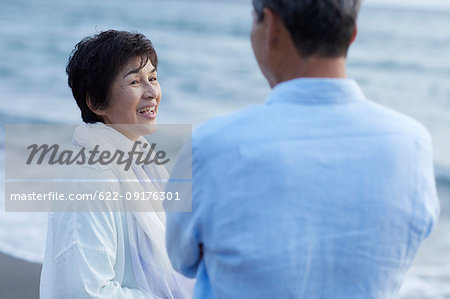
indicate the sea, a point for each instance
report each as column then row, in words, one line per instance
column 401, row 59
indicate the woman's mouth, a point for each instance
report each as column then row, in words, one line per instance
column 148, row 112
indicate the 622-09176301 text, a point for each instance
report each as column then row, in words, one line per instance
column 103, row 195
column 139, row 196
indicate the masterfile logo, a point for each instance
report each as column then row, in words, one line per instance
column 46, row 170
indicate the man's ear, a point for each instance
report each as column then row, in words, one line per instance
column 355, row 32
column 97, row 111
column 271, row 27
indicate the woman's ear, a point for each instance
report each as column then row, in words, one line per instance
column 97, row 111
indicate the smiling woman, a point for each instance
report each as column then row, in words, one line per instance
column 134, row 97
column 113, row 77
column 140, row 89
column 111, row 254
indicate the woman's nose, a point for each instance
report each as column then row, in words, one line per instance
column 151, row 90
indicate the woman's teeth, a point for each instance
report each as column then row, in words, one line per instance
column 148, row 110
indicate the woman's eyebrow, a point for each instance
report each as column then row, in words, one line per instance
column 137, row 71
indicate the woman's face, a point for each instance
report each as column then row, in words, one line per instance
column 134, row 97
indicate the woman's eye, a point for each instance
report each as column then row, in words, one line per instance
column 134, row 82
column 152, row 79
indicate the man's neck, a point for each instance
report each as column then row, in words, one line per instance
column 312, row 67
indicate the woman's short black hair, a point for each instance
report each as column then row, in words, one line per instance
column 95, row 62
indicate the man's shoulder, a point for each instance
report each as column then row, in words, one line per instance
column 252, row 125
column 396, row 122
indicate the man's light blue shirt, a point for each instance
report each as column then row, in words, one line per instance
column 318, row 193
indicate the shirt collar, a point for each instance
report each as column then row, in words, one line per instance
column 316, row 91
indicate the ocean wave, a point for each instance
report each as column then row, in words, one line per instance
column 442, row 174
column 6, row 119
column 411, row 4
column 390, row 65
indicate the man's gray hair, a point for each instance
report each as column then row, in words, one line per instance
column 317, row 27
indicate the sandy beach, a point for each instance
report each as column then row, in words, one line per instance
column 18, row 279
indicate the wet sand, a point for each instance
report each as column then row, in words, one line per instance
column 18, row 279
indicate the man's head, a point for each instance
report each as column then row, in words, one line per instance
column 315, row 28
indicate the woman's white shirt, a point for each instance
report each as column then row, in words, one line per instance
column 108, row 254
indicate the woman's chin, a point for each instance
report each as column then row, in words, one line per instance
column 146, row 127
column 134, row 131
column 149, row 128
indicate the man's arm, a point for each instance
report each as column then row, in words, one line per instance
column 183, row 246
column 426, row 185
column 183, row 238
